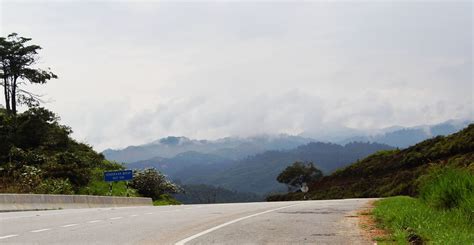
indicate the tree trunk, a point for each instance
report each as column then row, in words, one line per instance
column 13, row 94
column 7, row 94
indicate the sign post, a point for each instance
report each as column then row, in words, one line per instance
column 304, row 189
column 121, row 175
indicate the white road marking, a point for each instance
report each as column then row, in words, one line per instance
column 8, row 236
column 116, row 218
column 41, row 230
column 69, row 225
column 134, row 215
column 182, row 242
column 149, row 213
column 94, row 221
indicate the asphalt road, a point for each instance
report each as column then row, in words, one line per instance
column 311, row 222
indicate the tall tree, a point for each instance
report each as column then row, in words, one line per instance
column 17, row 60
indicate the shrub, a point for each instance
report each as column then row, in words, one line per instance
column 152, row 183
column 55, row 186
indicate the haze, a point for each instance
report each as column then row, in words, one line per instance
column 134, row 72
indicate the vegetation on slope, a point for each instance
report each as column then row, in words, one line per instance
column 444, row 213
column 394, row 172
column 38, row 156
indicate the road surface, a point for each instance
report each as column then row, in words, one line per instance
column 311, row 222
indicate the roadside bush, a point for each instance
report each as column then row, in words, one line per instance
column 152, row 183
column 55, row 186
column 29, row 178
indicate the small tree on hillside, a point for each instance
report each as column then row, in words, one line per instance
column 152, row 183
column 16, row 70
column 298, row 173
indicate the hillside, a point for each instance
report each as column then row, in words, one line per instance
column 395, row 172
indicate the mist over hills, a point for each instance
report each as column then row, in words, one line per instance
column 405, row 137
column 236, row 148
column 231, row 147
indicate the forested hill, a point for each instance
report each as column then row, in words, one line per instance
column 395, row 172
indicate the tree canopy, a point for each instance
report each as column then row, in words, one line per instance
column 151, row 183
column 17, row 68
column 298, row 173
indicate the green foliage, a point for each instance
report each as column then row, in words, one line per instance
column 166, row 199
column 411, row 220
column 55, row 186
column 38, row 156
column 29, row 178
column 449, row 188
column 152, row 183
column 298, row 173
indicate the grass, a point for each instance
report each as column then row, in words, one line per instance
column 166, row 199
column 409, row 219
column 442, row 215
column 449, row 188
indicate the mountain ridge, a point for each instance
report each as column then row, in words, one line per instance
column 237, row 148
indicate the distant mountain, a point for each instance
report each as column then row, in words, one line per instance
column 185, row 166
column 232, row 147
column 256, row 174
column 405, row 137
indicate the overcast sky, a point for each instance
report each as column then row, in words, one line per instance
column 134, row 72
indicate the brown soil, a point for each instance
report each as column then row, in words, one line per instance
column 368, row 224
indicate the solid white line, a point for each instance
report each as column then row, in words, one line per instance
column 182, row 242
column 116, row 218
column 149, row 213
column 69, row 225
column 94, row 221
column 5, row 237
column 35, row 231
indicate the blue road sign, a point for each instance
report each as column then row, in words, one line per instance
column 121, row 175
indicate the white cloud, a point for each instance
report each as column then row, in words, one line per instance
column 134, row 72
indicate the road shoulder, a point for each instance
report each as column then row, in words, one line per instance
column 368, row 225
